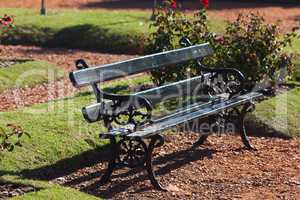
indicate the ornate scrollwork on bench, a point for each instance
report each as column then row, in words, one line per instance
column 232, row 116
column 226, row 81
column 128, row 110
column 222, row 80
column 132, row 152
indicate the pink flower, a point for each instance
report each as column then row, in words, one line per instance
column 220, row 39
column 7, row 20
column 205, row 3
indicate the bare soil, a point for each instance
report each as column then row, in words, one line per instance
column 8, row 190
column 220, row 169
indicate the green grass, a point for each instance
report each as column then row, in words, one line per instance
column 58, row 132
column 28, row 74
column 297, row 70
column 46, row 190
column 281, row 112
column 116, row 21
column 51, row 126
column 295, row 48
column 107, row 31
column 56, row 192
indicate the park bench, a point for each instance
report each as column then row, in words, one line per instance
column 216, row 95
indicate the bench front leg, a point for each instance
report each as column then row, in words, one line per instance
column 156, row 141
column 112, row 161
column 201, row 140
column 249, row 107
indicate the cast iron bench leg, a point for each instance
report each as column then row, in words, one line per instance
column 112, row 162
column 156, row 141
column 241, row 125
column 201, row 140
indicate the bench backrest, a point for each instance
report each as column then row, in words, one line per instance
column 112, row 71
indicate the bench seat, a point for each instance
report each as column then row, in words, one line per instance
column 197, row 111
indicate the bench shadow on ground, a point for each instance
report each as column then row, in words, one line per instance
column 167, row 163
column 192, row 4
column 122, row 179
column 10, row 189
column 90, row 158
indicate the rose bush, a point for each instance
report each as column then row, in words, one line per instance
column 9, row 139
column 171, row 25
column 249, row 44
column 5, row 23
column 255, row 48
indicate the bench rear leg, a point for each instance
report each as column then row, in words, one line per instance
column 241, row 125
column 201, row 140
column 156, row 141
column 112, row 162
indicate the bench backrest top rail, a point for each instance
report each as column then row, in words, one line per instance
column 138, row 65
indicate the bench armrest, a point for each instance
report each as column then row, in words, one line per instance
column 229, row 75
column 122, row 109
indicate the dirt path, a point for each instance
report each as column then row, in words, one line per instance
column 17, row 98
column 220, row 169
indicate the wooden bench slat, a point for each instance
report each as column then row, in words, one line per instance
column 137, row 65
column 155, row 95
column 201, row 113
column 181, row 88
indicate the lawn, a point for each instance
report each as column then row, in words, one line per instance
column 27, row 74
column 107, row 31
column 102, row 30
column 57, row 192
column 47, row 190
column 51, row 126
column 297, row 70
column 282, row 112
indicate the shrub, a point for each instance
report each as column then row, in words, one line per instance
column 171, row 25
column 249, row 44
column 6, row 22
column 8, row 140
column 254, row 47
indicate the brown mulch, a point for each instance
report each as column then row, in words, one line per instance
column 8, row 190
column 20, row 97
column 220, row 169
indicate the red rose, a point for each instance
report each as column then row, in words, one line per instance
column 173, row 4
column 205, row 3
